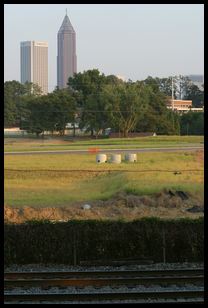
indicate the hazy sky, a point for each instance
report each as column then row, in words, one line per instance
column 130, row 40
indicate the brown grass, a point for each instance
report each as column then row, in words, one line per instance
column 122, row 206
column 200, row 157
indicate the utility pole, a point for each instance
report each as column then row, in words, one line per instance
column 172, row 96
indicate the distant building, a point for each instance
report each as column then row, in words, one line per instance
column 34, row 63
column 182, row 106
column 66, row 59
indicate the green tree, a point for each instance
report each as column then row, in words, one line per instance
column 33, row 120
column 192, row 123
column 9, row 111
column 49, row 112
column 13, row 91
column 124, row 104
column 87, row 89
column 15, row 97
column 156, row 117
column 94, row 116
column 86, row 83
column 64, row 109
column 32, row 89
column 163, row 85
column 196, row 95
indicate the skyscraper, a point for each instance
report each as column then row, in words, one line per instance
column 34, row 63
column 66, row 59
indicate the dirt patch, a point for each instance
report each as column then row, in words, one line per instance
column 200, row 156
column 166, row 204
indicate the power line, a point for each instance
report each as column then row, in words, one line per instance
column 107, row 170
column 86, row 111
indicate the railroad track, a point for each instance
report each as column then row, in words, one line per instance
column 129, row 279
column 174, row 296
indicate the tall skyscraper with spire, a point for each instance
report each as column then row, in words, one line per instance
column 66, row 59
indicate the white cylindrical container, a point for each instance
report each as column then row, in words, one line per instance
column 101, row 158
column 131, row 157
column 116, row 158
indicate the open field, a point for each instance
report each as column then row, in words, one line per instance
column 25, row 144
column 124, row 191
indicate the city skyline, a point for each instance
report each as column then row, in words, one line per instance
column 133, row 41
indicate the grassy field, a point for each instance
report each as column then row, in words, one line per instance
column 24, row 144
column 61, row 180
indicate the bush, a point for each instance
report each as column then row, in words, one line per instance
column 70, row 242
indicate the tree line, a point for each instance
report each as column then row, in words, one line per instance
column 95, row 102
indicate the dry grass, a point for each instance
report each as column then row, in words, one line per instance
column 49, row 188
column 122, row 206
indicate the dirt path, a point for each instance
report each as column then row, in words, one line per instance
column 167, row 204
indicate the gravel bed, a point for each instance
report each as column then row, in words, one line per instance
column 63, row 267
column 104, row 289
column 89, row 289
column 102, row 302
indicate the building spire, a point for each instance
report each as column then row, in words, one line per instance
column 66, row 24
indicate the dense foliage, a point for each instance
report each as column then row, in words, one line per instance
column 96, row 102
column 73, row 241
column 49, row 113
column 15, row 95
column 192, row 123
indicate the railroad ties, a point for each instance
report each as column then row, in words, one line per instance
column 110, row 286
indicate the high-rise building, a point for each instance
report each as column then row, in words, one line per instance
column 34, row 63
column 66, row 59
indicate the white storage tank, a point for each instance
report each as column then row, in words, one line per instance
column 116, row 158
column 131, row 157
column 101, row 158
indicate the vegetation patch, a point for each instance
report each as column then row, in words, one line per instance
column 180, row 240
column 64, row 180
column 127, row 207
